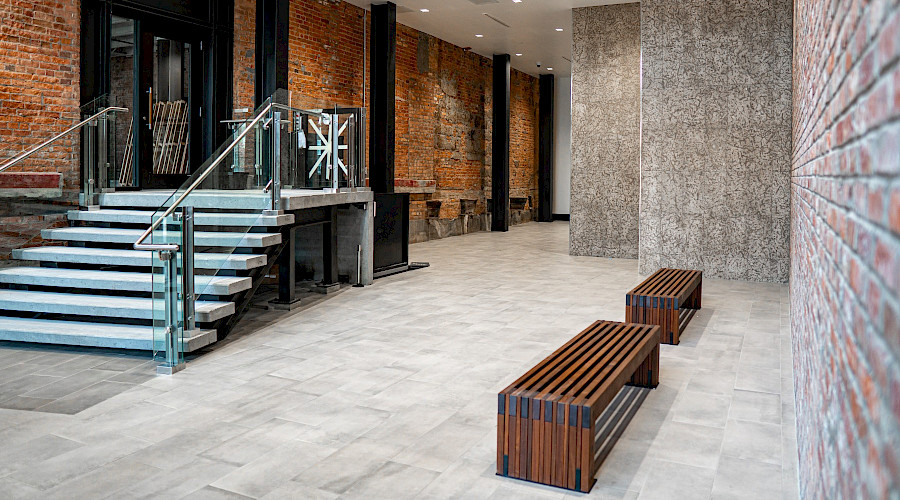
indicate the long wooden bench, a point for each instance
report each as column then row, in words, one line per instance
column 668, row 298
column 547, row 419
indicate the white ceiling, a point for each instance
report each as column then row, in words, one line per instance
column 531, row 32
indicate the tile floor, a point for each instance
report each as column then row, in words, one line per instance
column 389, row 391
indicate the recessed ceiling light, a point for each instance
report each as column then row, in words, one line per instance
column 559, row 29
column 479, row 36
column 549, row 69
column 424, row 10
column 517, row 1
column 519, row 54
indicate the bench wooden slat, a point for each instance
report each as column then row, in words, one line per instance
column 546, row 423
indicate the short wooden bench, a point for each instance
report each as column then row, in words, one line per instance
column 547, row 419
column 668, row 298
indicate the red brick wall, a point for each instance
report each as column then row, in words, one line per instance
column 39, row 97
column 845, row 247
column 442, row 98
column 39, row 79
column 244, row 54
column 327, row 56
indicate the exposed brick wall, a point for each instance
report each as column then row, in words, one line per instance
column 39, row 82
column 327, row 55
column 39, row 78
column 845, row 247
column 244, row 54
column 443, row 110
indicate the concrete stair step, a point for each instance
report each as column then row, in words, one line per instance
column 221, row 199
column 200, row 218
column 103, row 305
column 115, row 280
column 201, row 238
column 94, row 334
column 135, row 258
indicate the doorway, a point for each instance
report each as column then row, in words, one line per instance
column 156, row 71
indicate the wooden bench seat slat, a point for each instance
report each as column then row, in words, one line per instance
column 547, row 418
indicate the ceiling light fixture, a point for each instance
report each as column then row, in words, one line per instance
column 479, row 36
column 518, row 54
column 424, row 10
column 559, row 29
column 549, row 69
column 517, row 1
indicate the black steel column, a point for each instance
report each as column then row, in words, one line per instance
column 500, row 146
column 545, row 150
column 271, row 47
column 382, row 83
column 329, row 249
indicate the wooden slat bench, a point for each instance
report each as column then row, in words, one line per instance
column 547, row 419
column 668, row 298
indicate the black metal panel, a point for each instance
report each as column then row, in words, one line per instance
column 391, row 230
column 500, row 145
column 272, row 21
column 383, row 69
column 199, row 11
column 95, row 21
column 143, row 81
column 545, row 150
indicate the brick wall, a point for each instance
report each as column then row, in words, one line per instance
column 327, row 56
column 845, row 247
column 39, row 78
column 244, row 54
column 443, row 111
column 39, row 82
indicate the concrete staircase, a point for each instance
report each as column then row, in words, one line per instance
column 89, row 287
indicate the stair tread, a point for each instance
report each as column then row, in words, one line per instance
column 121, row 235
column 141, row 258
column 91, row 334
column 235, row 199
column 103, row 305
column 201, row 218
column 115, row 280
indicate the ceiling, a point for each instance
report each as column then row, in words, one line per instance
column 530, row 28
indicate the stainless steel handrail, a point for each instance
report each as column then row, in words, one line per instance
column 163, row 247
column 139, row 244
column 32, row 151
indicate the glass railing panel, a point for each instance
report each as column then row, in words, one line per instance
column 38, row 190
column 168, row 294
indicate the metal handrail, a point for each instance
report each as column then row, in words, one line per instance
column 171, row 247
column 32, row 151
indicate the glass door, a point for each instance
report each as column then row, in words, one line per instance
column 168, row 97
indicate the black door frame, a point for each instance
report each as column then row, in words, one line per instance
column 211, row 20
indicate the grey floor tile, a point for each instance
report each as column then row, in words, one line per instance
column 756, row 407
column 669, row 480
column 697, row 445
column 746, row 479
column 85, row 398
column 702, row 409
column 753, row 441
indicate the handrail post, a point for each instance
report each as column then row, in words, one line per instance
column 172, row 338
column 102, row 152
column 187, row 268
column 275, row 130
column 335, row 151
column 88, row 145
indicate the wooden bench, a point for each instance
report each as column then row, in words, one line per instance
column 547, row 419
column 668, row 298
